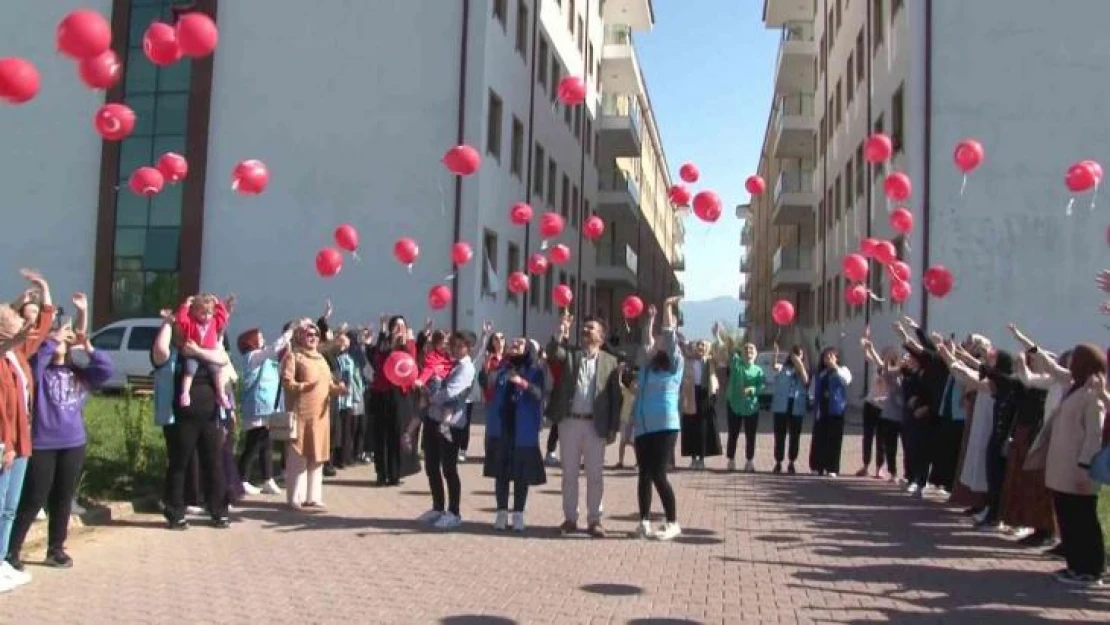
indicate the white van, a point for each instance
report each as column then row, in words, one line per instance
column 128, row 343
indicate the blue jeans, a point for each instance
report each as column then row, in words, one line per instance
column 11, row 488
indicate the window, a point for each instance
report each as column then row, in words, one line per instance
column 850, row 78
column 895, row 7
column 556, row 76
column 837, row 298
column 837, row 195
column 821, row 215
column 522, row 29
column 552, row 180
column 839, row 104
column 897, row 119
column 824, row 55
column 534, row 293
column 590, row 59
column 878, row 168
column 860, row 169
column 141, row 339
column 537, row 176
column 839, row 14
column 541, row 63
column 500, row 10
column 514, row 265
column 571, row 14
column 821, row 304
column 516, row 157
column 493, row 128
column 581, row 36
column 574, row 208
column 564, row 208
column 585, row 207
column 848, row 178
column 824, row 142
column 489, row 261
column 567, row 117
column 876, row 25
column 589, row 135
column 578, row 123
column 830, row 209
column 861, row 58
column 108, row 340
column 548, row 286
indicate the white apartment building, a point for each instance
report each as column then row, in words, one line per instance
column 351, row 105
column 1020, row 78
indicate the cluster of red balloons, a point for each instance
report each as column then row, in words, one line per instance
column 329, row 261
column 552, row 225
column 707, row 204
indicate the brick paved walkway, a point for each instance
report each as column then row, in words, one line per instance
column 757, row 549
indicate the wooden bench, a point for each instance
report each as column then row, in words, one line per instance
column 141, row 385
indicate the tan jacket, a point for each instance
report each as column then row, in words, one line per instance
column 308, row 387
column 1069, row 439
column 688, row 403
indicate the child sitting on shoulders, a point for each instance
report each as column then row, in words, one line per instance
column 203, row 320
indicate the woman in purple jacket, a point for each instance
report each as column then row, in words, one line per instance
column 58, row 434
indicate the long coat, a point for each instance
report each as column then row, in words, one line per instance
column 308, row 385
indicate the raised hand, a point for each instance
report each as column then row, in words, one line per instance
column 80, row 302
column 328, row 309
column 487, row 327
column 1103, row 280
column 32, row 276
column 909, row 322
column 166, row 314
column 229, row 303
column 652, row 312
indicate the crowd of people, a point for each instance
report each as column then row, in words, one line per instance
column 1009, row 435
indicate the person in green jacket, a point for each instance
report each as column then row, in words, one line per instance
column 745, row 380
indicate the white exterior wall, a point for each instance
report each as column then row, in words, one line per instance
column 49, row 159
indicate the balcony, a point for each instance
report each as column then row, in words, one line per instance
column 620, row 125
column 636, row 14
column 679, row 262
column 619, row 196
column 794, row 199
column 743, row 211
column 617, row 266
column 745, row 264
column 746, row 235
column 796, row 65
column 792, row 269
column 781, row 12
column 745, row 292
column 620, row 71
column 794, row 133
column 742, row 320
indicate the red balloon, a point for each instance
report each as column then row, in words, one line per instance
column 197, row 34
column 328, row 262
column 518, row 282
column 901, row 220
column 537, row 264
column 707, row 206
column 114, row 121
column 19, row 80
column 593, row 228
column 101, row 71
column 689, row 173
column 439, row 297
column 1095, row 168
column 783, row 312
column 897, row 186
column 855, row 294
column 755, row 185
column 899, row 270
column 173, row 166
column 405, row 250
column 679, row 195
column 968, row 155
column 401, row 368
column 160, row 44
column 867, row 247
column 560, row 254
column 854, row 267
column 885, row 252
column 551, row 225
column 462, row 160
column 146, row 181
column 83, row 33
column 461, row 253
column 1080, row 178
column 572, row 90
column 520, row 213
column 346, row 237
column 562, row 295
column 878, row 148
column 900, row 291
column 250, row 177
column 938, row 281
column 632, row 307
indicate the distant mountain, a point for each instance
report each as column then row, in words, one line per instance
column 698, row 317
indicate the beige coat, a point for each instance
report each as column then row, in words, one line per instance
column 688, row 404
column 1070, row 437
column 308, row 385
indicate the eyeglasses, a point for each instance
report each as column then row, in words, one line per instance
column 312, row 335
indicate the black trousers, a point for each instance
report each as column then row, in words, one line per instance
column 653, row 453
column 369, row 441
column 552, row 438
column 889, row 432
column 185, row 438
column 1080, row 533
column 387, row 441
column 463, row 435
column 348, row 425
column 501, row 492
column 825, row 446
column 750, row 425
column 787, row 424
column 256, row 445
column 441, row 463
column 358, row 441
column 919, row 439
column 51, row 483
column 996, row 476
column 871, row 418
column 948, row 437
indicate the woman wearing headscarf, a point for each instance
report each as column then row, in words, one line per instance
column 789, row 404
column 698, row 403
column 393, row 406
column 830, row 398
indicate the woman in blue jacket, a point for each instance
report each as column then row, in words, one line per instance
column 514, row 419
column 789, row 404
column 830, row 397
column 656, row 422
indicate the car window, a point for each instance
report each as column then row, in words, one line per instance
column 108, row 340
column 141, row 338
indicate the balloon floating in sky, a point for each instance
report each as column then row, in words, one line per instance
column 114, row 121
column 160, row 44
column 250, row 177
column 83, row 33
column 572, row 90
column 101, row 72
column 146, row 181
column 19, row 80
column 689, row 173
column 197, row 35
column 462, row 160
column 173, row 166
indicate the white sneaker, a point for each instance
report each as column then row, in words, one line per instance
column 41, row 516
column 462, row 457
column 731, row 465
column 551, row 460
column 834, row 474
column 669, row 531
column 749, row 467
column 645, row 530
column 6, row 585
column 195, row 511
column 912, row 488
column 448, row 521
column 518, row 521
column 431, row 517
column 251, row 489
column 18, row 578
column 271, row 488
column 501, row 521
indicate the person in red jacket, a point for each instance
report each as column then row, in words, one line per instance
column 203, row 320
column 393, row 406
column 437, row 366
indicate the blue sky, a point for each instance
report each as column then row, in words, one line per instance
column 709, row 66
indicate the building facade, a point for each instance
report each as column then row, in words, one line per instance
column 351, row 108
column 930, row 74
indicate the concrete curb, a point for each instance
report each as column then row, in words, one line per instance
column 97, row 514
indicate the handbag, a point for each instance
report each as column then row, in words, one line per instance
column 283, row 424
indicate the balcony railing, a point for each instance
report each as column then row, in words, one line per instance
column 746, row 234
column 798, row 31
column 622, row 256
column 797, row 104
column 620, row 180
column 622, row 106
column 792, row 258
column 745, row 264
column 618, row 35
column 679, row 262
column 794, row 181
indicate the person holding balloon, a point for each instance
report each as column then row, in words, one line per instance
column 393, row 401
column 830, row 398
column 789, row 404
